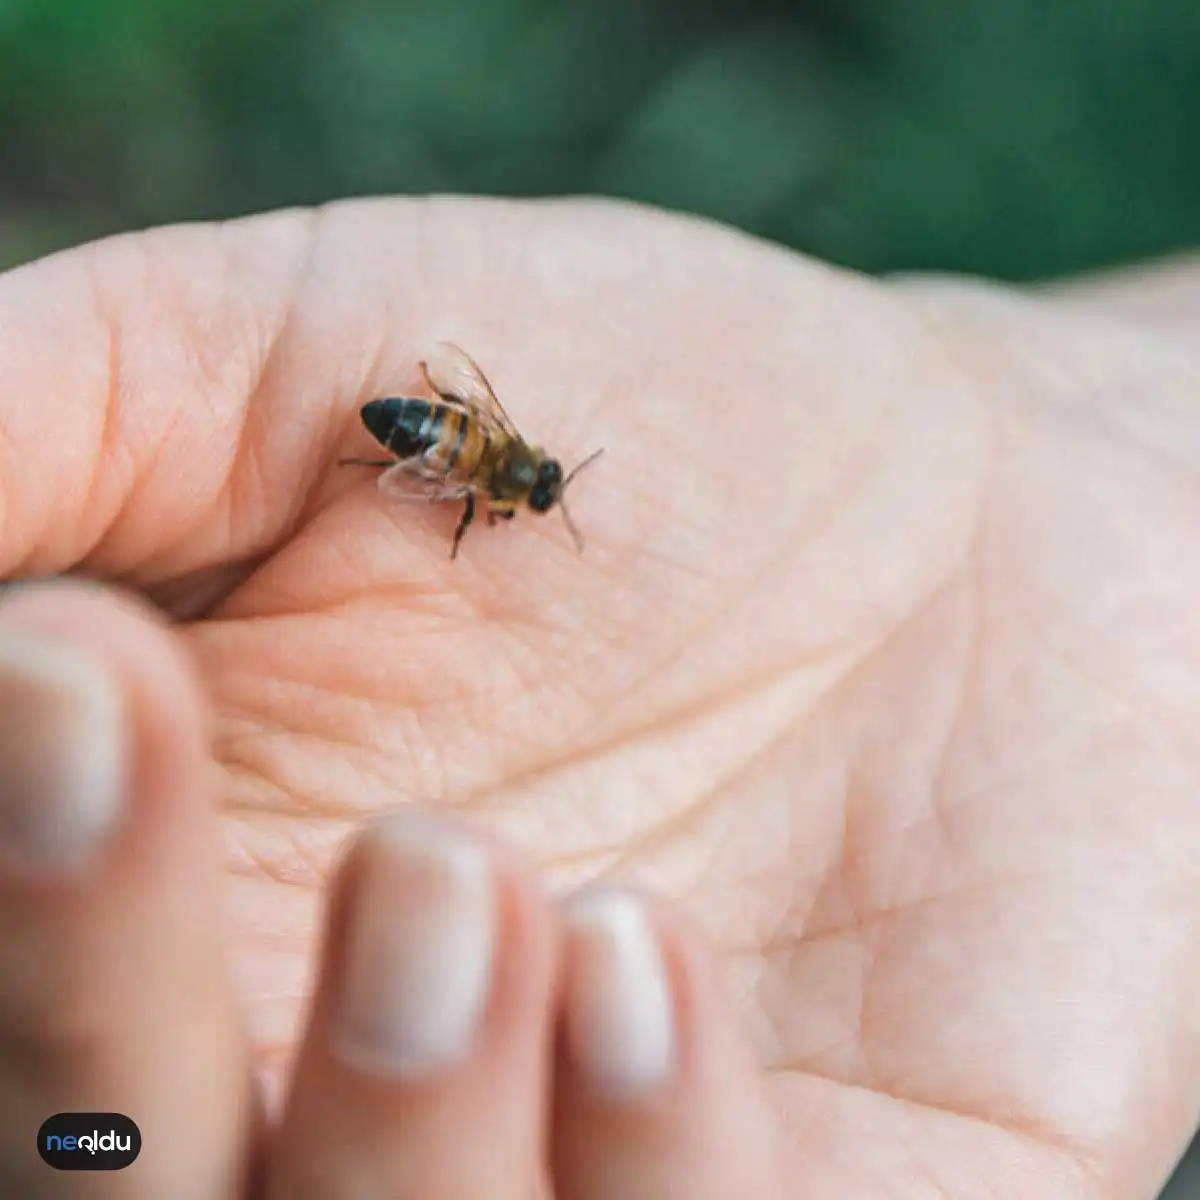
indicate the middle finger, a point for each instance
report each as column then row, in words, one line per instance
column 431, row 1019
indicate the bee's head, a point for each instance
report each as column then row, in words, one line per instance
column 547, row 486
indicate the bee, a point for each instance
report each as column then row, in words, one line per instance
column 463, row 446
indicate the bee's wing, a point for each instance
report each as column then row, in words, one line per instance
column 456, row 376
column 409, row 481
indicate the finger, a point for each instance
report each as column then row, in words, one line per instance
column 424, row 1071
column 132, row 363
column 656, row 1093
column 181, row 396
column 114, row 993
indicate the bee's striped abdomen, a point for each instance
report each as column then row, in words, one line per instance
column 464, row 442
column 446, row 437
column 403, row 426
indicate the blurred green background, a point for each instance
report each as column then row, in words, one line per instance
column 1018, row 139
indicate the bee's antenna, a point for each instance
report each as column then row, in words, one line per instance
column 591, row 458
column 575, row 534
column 562, row 500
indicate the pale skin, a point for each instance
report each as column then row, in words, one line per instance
column 878, row 680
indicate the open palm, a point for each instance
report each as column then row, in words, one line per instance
column 882, row 655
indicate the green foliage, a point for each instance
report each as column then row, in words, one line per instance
column 1017, row 139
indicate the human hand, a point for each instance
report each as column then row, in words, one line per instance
column 880, row 660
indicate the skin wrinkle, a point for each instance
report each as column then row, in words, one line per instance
column 470, row 600
column 533, row 631
column 912, row 828
column 864, row 1039
column 1030, row 768
column 799, row 937
column 971, row 575
column 938, row 817
column 403, row 593
column 105, row 446
column 268, row 602
column 868, row 937
column 654, row 835
column 1025, row 1129
column 94, row 558
column 853, row 675
column 806, row 938
column 418, row 698
column 191, row 599
column 838, row 877
column 1078, row 1158
column 339, row 443
column 281, row 802
column 1139, row 712
column 299, row 869
column 245, row 479
column 548, row 767
column 679, row 718
column 262, row 733
column 307, row 239
column 968, row 681
column 199, row 361
column 363, row 760
column 230, row 488
column 112, row 392
column 228, row 749
column 310, row 806
column 872, row 1080
column 657, row 835
column 695, row 635
column 1023, row 772
column 294, row 806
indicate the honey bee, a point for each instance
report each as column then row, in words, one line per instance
column 463, row 446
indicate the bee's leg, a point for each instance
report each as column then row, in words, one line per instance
column 366, row 462
column 467, row 517
column 499, row 514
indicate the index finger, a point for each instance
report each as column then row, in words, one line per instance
column 140, row 373
column 178, row 398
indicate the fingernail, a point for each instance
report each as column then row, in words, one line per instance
column 620, row 1024
column 419, row 951
column 62, row 755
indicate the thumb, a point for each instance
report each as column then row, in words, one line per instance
column 114, row 991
